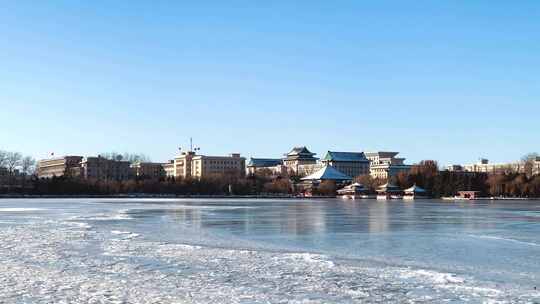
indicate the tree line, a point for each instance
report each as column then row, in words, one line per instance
column 15, row 163
column 213, row 185
column 447, row 183
column 19, row 176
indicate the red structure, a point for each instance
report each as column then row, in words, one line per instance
column 468, row 194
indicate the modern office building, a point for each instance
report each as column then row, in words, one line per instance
column 384, row 165
column 60, row 166
column 147, row 170
column 352, row 164
column 189, row 164
column 204, row 165
column 101, row 168
column 168, row 168
column 299, row 156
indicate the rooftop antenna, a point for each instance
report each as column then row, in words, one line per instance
column 191, row 148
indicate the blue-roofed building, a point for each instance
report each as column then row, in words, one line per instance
column 264, row 162
column 272, row 165
column 312, row 182
column 327, row 173
column 352, row 164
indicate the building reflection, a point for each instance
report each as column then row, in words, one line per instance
column 294, row 219
column 378, row 217
column 186, row 215
column 301, row 219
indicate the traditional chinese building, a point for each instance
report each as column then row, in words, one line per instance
column 299, row 156
column 414, row 192
column 350, row 163
column 273, row 166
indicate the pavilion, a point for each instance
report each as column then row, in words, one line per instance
column 414, row 192
column 388, row 191
column 355, row 190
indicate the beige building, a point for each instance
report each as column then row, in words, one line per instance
column 147, row 170
column 189, row 164
column 307, row 169
column 168, row 168
column 100, row 168
column 67, row 165
column 384, row 165
column 183, row 163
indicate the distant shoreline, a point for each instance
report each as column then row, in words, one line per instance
column 221, row 196
column 3, row 196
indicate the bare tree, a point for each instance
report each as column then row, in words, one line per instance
column 28, row 165
column 130, row 157
column 528, row 162
column 13, row 160
column 3, row 158
column 136, row 157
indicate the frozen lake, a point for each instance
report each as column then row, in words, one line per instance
column 268, row 251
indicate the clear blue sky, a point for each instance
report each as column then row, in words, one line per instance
column 445, row 80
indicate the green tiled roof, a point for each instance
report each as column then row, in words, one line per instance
column 264, row 162
column 345, row 156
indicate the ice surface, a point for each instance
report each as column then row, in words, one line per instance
column 19, row 209
column 110, row 255
column 60, row 263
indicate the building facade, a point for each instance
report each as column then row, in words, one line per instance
column 352, row 164
column 61, row 166
column 297, row 157
column 385, row 165
column 147, row 170
column 205, row 166
column 191, row 165
column 100, row 168
column 183, row 164
column 168, row 168
column 484, row 166
column 273, row 166
column 307, row 169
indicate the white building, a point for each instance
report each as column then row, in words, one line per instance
column 384, row 165
column 484, row 166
